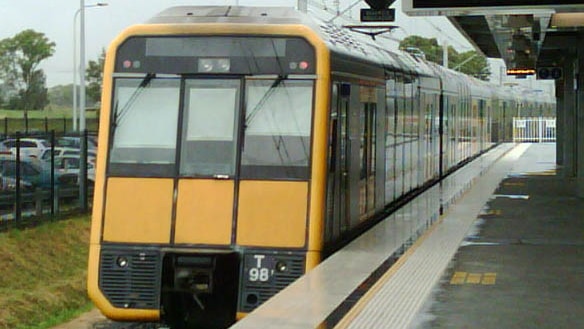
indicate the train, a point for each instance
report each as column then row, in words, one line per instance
column 240, row 146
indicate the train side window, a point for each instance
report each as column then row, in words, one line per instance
column 209, row 137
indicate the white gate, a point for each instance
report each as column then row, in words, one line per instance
column 534, row 130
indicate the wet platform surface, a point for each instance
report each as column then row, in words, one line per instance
column 507, row 252
column 522, row 264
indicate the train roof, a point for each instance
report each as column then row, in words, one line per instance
column 230, row 14
column 339, row 40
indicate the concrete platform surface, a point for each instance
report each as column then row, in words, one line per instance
column 522, row 266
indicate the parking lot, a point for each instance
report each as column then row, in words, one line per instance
column 42, row 176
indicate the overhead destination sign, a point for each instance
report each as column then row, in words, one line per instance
column 462, row 7
column 378, row 15
column 521, row 71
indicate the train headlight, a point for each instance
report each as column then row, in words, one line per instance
column 122, row 262
column 281, row 266
column 214, row 65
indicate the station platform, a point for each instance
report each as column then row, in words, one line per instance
column 522, row 263
column 498, row 244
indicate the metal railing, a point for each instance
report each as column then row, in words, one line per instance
column 44, row 183
column 534, row 130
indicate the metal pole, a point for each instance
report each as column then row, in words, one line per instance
column 83, row 162
column 344, row 11
column 82, row 67
column 303, row 6
column 83, row 147
column 75, row 69
column 75, row 103
column 464, row 62
column 445, row 53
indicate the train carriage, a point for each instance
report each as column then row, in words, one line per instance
column 239, row 146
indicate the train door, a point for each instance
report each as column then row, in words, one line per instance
column 503, row 119
column 411, row 135
column 481, row 133
column 274, row 162
column 367, row 136
column 389, row 138
column 444, row 134
column 400, row 141
column 337, row 186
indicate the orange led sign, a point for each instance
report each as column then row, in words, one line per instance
column 520, row 71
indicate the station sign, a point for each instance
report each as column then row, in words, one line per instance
column 550, row 73
column 378, row 15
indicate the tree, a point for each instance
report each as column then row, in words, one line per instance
column 20, row 57
column 469, row 62
column 429, row 47
column 472, row 63
column 37, row 97
column 61, row 95
column 94, row 78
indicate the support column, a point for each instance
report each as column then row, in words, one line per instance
column 580, row 121
column 569, row 122
column 560, row 122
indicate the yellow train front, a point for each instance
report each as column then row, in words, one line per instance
column 235, row 147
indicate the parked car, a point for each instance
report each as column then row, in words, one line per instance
column 4, row 150
column 70, row 164
column 61, row 151
column 75, row 142
column 9, row 184
column 29, row 147
column 32, row 172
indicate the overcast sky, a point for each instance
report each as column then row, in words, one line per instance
column 54, row 18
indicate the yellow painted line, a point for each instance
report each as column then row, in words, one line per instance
column 551, row 172
column 458, row 278
column 489, row 278
column 366, row 298
column 474, row 278
column 513, row 184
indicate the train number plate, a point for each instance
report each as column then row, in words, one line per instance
column 259, row 268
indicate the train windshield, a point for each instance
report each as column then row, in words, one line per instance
column 277, row 129
column 209, row 128
column 144, row 123
column 274, row 125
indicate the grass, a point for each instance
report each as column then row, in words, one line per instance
column 58, row 119
column 43, row 274
column 51, row 113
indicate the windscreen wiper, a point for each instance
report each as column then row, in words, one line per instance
column 260, row 105
column 119, row 115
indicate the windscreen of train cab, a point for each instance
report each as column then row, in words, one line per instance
column 259, row 92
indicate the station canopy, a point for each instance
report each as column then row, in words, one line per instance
column 524, row 33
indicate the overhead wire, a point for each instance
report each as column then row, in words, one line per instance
column 337, row 13
column 342, row 15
